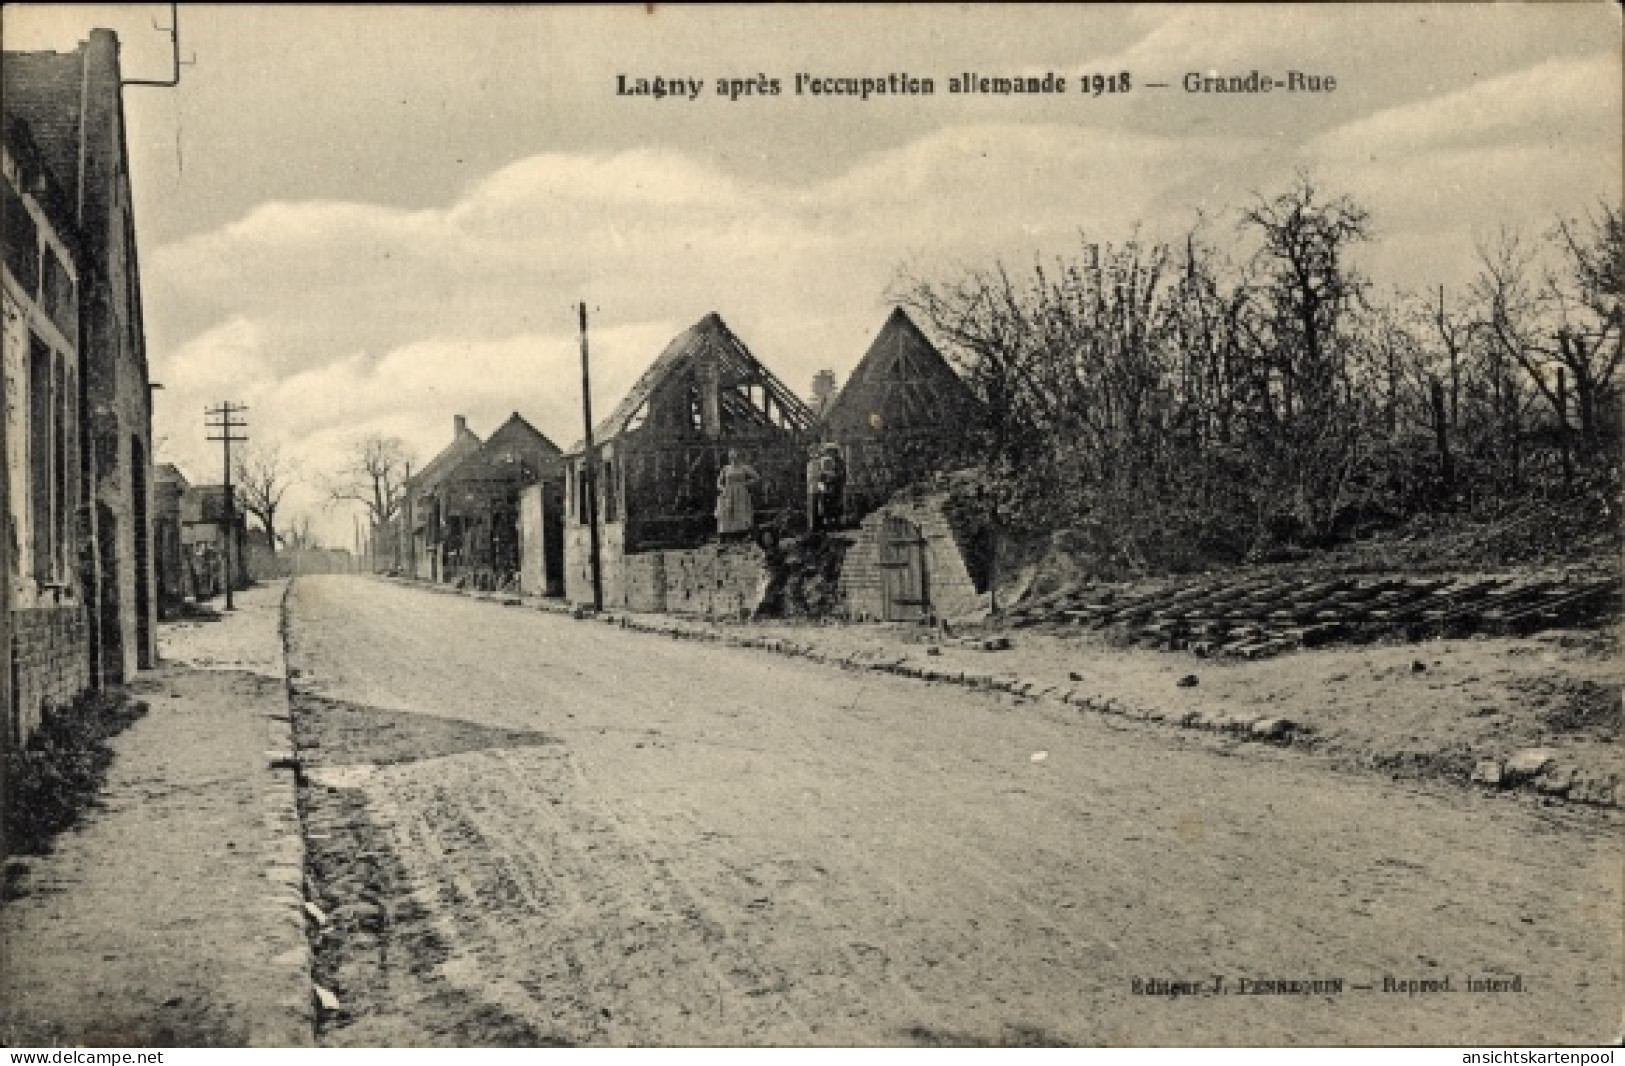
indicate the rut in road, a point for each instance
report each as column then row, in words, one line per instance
column 574, row 834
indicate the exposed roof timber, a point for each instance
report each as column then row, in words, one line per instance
column 735, row 366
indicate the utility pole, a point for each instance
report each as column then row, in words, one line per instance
column 223, row 423
column 408, row 519
column 589, row 463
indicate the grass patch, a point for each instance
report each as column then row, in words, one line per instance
column 51, row 781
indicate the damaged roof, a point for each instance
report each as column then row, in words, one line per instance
column 737, row 370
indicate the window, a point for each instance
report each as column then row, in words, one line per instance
column 62, row 487
column 59, row 296
column 612, row 494
column 43, row 424
column 22, row 241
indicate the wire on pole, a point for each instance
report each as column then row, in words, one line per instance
column 221, row 420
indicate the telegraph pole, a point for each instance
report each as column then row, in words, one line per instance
column 221, row 421
column 589, row 464
column 409, row 519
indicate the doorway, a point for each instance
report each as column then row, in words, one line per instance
column 902, row 569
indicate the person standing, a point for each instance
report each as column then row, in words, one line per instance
column 832, row 486
column 735, row 514
column 815, row 489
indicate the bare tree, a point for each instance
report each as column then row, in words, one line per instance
column 374, row 476
column 263, row 476
column 1308, row 289
column 1590, row 305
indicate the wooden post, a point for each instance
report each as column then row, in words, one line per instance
column 407, row 519
column 589, row 464
column 225, row 425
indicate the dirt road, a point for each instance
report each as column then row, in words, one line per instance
column 528, row 829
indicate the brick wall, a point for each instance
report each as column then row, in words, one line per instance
column 948, row 582
column 50, row 664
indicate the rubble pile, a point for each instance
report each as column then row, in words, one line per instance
column 1260, row 617
column 803, row 577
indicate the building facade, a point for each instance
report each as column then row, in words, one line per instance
column 48, row 658
column 903, row 415
column 72, row 105
column 658, row 454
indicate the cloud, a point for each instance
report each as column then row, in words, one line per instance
column 333, row 319
column 1561, row 101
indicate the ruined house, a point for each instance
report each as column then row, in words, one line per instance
column 658, row 454
column 42, row 534
column 903, row 415
column 464, row 509
column 421, row 506
column 72, row 107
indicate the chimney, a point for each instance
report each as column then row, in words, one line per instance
column 459, row 426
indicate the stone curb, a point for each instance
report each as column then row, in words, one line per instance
column 293, row 1017
column 1551, row 778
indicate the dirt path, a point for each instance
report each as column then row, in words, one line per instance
column 147, row 924
column 546, row 831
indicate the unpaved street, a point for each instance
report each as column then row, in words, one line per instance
column 525, row 828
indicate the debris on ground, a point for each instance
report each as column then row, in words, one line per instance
column 1256, row 616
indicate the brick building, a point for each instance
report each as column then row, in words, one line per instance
column 464, row 511
column 72, row 107
column 48, row 658
column 421, row 508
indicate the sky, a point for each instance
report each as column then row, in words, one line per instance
column 368, row 220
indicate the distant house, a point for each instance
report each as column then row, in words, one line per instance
column 204, row 541
column 464, row 511
column 902, row 415
column 422, row 516
column 168, row 494
column 658, row 453
column 87, row 277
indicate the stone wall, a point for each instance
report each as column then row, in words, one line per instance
column 50, row 654
column 711, row 580
column 948, row 582
column 532, row 542
column 578, row 562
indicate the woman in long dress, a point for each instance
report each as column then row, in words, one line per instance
column 735, row 517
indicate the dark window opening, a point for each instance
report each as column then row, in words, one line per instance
column 59, row 295
column 22, row 241
column 612, row 493
column 42, row 423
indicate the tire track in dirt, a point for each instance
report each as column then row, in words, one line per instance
column 727, row 848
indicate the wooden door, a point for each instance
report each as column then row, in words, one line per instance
column 902, row 569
